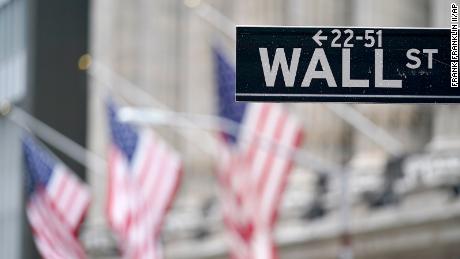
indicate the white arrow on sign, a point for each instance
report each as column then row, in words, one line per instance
column 318, row 38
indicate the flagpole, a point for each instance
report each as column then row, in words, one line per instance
column 367, row 127
column 103, row 74
column 96, row 163
column 344, row 111
column 218, row 124
column 56, row 139
column 213, row 17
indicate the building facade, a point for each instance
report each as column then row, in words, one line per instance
column 164, row 48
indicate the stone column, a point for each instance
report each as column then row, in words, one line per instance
column 97, row 237
column 407, row 123
column 446, row 122
column 160, row 48
column 326, row 134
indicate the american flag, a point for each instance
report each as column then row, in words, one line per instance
column 238, row 227
column 144, row 175
column 226, row 78
column 254, row 174
column 56, row 203
column 268, row 139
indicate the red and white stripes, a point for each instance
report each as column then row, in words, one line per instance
column 55, row 214
column 69, row 195
column 141, row 193
column 253, row 186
